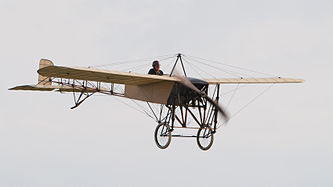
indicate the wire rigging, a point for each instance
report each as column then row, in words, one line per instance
column 233, row 95
column 131, row 61
column 194, row 67
column 134, row 108
column 232, row 73
column 194, row 63
column 233, row 66
column 247, row 104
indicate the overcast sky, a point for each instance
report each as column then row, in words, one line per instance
column 284, row 138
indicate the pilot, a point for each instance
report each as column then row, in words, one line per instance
column 156, row 69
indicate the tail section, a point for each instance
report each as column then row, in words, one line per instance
column 44, row 83
column 41, row 79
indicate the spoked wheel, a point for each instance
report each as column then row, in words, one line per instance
column 162, row 135
column 205, row 138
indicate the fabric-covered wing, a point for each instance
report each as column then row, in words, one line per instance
column 102, row 75
column 253, row 80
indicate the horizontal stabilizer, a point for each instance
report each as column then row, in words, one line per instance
column 56, row 88
column 34, row 88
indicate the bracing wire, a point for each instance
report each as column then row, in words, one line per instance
column 233, row 66
column 194, row 63
column 232, row 91
column 144, row 112
column 130, row 61
column 229, row 72
column 143, row 109
column 233, row 95
column 247, row 104
column 168, row 64
column 139, row 67
column 194, row 67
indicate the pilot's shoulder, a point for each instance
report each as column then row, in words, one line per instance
column 151, row 71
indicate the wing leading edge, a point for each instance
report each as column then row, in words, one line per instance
column 107, row 76
column 272, row 80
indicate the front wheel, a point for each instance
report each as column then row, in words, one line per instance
column 162, row 136
column 205, row 138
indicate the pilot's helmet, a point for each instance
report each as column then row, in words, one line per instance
column 156, row 63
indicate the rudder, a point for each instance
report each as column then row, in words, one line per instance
column 42, row 80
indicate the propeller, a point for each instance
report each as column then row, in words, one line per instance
column 183, row 80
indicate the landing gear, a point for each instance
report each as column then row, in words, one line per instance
column 205, row 138
column 183, row 108
column 189, row 99
column 162, row 136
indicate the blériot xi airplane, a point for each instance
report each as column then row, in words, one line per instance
column 179, row 97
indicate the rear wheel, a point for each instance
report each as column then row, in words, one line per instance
column 162, row 136
column 205, row 138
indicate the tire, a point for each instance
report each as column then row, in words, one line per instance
column 205, row 138
column 162, row 136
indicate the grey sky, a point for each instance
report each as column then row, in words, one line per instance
column 282, row 139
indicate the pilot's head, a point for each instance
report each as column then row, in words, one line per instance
column 156, row 65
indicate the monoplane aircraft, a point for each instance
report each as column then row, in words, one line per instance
column 178, row 97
